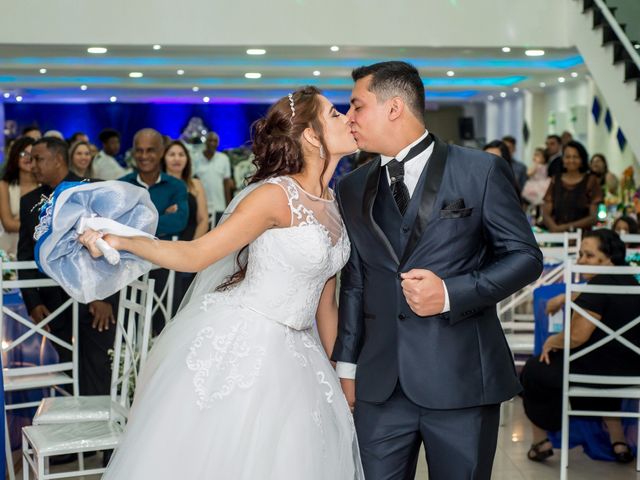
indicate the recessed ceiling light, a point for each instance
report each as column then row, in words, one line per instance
column 196, row 89
column 503, row 94
column 450, row 73
column 83, row 87
column 534, row 53
column 113, row 99
column 637, row 45
column 335, row 48
column 6, row 94
column 316, row 73
column 490, row 97
column 256, row 51
column 97, row 50
column 253, row 75
column 562, row 79
column 43, row 71
column 206, row 99
column 542, row 84
column 18, row 98
column 516, row 90
column 136, row 75
column 157, row 47
column 574, row 74
column 506, row 49
column 180, row 72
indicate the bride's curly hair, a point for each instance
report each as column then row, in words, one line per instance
column 277, row 147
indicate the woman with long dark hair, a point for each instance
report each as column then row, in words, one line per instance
column 238, row 386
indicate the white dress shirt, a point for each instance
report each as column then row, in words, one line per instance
column 412, row 171
column 105, row 167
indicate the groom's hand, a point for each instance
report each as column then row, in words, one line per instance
column 424, row 292
column 349, row 389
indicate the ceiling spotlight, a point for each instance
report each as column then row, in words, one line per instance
column 316, row 73
column 335, row 48
column 196, row 89
column 562, row 79
column 206, row 99
column 43, row 71
column 157, row 47
column 542, row 84
column 534, row 53
column 83, row 87
column 97, row 50
column 490, row 97
column 503, row 94
column 574, row 74
column 180, row 72
column 506, row 49
column 253, row 75
column 450, row 73
column 637, row 46
column 6, row 94
column 516, row 90
column 136, row 75
column 19, row 98
column 256, row 51
column 113, row 99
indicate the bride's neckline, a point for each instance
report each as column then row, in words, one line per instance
column 329, row 200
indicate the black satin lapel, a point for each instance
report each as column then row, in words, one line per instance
column 435, row 171
column 370, row 192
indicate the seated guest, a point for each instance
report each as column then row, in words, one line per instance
column 105, row 165
column 95, row 332
column 572, row 199
column 542, row 376
column 168, row 194
column 625, row 226
column 608, row 181
column 17, row 180
column 80, row 160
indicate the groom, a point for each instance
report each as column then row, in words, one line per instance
column 438, row 238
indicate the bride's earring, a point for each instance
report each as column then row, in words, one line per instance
column 322, row 155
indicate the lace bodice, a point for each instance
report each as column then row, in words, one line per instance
column 288, row 267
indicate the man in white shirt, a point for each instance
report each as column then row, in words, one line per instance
column 213, row 168
column 105, row 166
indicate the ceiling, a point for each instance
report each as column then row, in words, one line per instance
column 218, row 73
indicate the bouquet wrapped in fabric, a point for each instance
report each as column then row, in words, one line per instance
column 110, row 207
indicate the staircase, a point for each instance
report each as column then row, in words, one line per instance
column 606, row 33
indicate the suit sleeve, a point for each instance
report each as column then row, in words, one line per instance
column 516, row 260
column 26, row 247
column 175, row 223
column 350, row 316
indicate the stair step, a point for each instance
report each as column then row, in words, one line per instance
column 587, row 5
column 631, row 71
column 638, row 90
column 598, row 18
column 620, row 53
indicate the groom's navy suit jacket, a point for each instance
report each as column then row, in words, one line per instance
column 465, row 224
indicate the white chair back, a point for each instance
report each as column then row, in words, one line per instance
column 633, row 243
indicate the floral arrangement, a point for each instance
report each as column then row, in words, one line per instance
column 7, row 274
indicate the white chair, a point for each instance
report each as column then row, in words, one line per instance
column 163, row 302
column 86, row 434
column 134, row 305
column 612, row 386
column 51, row 376
column 633, row 243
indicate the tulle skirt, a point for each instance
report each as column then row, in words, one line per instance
column 228, row 394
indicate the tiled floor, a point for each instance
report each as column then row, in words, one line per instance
column 511, row 462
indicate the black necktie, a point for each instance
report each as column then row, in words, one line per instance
column 395, row 168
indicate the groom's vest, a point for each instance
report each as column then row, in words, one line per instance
column 386, row 214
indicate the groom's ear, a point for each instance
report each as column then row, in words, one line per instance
column 310, row 136
column 396, row 108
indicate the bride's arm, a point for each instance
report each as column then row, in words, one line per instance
column 263, row 209
column 327, row 316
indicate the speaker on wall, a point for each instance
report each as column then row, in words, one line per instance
column 465, row 128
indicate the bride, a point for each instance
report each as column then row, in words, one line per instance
column 237, row 386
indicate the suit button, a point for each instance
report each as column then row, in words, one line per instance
column 405, row 229
column 400, row 275
column 402, row 316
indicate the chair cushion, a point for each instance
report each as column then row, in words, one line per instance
column 54, row 439
column 73, row 409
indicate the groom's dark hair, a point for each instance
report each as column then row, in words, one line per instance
column 390, row 79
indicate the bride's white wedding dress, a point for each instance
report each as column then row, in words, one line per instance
column 238, row 386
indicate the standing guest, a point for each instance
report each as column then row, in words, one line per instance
column 500, row 149
column 519, row 168
column 599, row 167
column 214, row 169
column 78, row 137
column 96, row 335
column 94, row 150
column 105, row 166
column 54, row 133
column 168, row 194
column 572, row 199
column 554, row 154
column 33, row 132
column 80, row 160
column 566, row 137
column 625, row 226
column 18, row 180
column 538, row 182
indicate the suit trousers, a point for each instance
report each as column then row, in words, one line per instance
column 460, row 443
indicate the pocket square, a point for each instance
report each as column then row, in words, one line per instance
column 458, row 213
column 455, row 205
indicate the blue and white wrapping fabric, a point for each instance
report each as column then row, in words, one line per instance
column 111, row 207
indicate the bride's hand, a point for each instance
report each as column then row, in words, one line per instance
column 88, row 240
